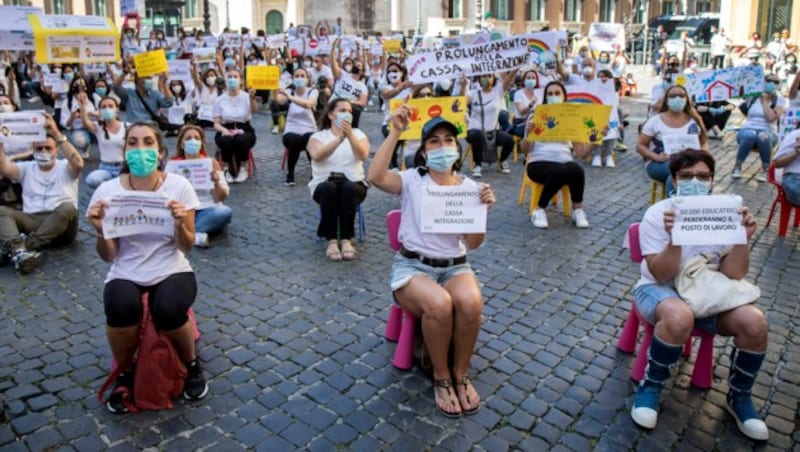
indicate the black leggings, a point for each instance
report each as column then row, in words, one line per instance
column 235, row 149
column 169, row 301
column 337, row 205
column 356, row 115
column 295, row 144
column 475, row 139
column 553, row 176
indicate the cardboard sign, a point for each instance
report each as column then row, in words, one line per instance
column 708, row 220
column 789, row 121
column 490, row 58
column 392, row 45
column 151, row 63
column 452, row 210
column 263, row 77
column 581, row 123
column 16, row 32
column 453, row 109
column 74, row 39
column 137, row 212
column 677, row 143
column 22, row 127
column 606, row 37
column 723, row 84
column 196, row 171
column 598, row 93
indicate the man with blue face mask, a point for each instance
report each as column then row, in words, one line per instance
column 659, row 303
column 49, row 200
column 144, row 100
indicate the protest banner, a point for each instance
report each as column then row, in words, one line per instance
column 196, row 171
column 74, row 39
column 56, row 83
column 788, row 122
column 708, row 220
column 578, row 122
column 677, row 143
column 392, row 45
column 16, row 32
column 179, row 70
column 545, row 43
column 491, row 58
column 598, row 93
column 606, row 37
column 204, row 55
column 232, row 41
column 137, row 212
column 275, row 41
column 723, row 84
column 150, row 63
column 22, row 127
column 348, row 43
column 453, row 109
column 452, row 210
column 263, row 77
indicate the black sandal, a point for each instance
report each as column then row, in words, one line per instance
column 465, row 380
column 447, row 384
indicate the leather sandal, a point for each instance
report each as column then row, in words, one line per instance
column 332, row 252
column 446, row 384
column 465, row 381
column 348, row 252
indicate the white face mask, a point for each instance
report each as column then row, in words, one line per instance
column 177, row 89
column 43, row 159
column 211, row 80
column 6, row 108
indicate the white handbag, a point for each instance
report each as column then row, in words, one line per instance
column 708, row 291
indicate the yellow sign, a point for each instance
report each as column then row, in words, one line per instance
column 74, row 39
column 151, row 63
column 453, row 109
column 263, row 77
column 392, row 45
column 578, row 122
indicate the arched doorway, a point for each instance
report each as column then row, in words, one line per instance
column 274, row 21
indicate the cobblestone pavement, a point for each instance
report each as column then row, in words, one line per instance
column 294, row 350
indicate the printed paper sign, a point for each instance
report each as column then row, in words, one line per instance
column 263, row 77
column 452, row 210
column 16, row 32
column 581, row 123
column 58, row 84
column 490, row 58
column 608, row 37
column 677, row 143
column 376, row 49
column 179, row 70
column 545, row 45
column 392, row 45
column 453, row 109
column 196, row 171
column 204, row 55
column 72, row 39
column 151, row 63
column 275, row 41
column 137, row 212
column 789, row 121
column 22, row 127
column 708, row 220
column 723, row 84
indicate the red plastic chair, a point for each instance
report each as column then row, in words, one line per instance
column 401, row 323
column 251, row 162
column 786, row 206
column 703, row 372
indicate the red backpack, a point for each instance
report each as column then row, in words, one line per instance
column 160, row 374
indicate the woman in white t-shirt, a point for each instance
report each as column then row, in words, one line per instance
column 675, row 117
column 485, row 103
column 788, row 158
column 300, row 121
column 760, row 128
column 110, row 134
column 349, row 83
column 525, row 101
column 148, row 263
column 431, row 277
column 337, row 155
column 207, row 93
column 77, row 99
column 794, row 92
column 235, row 136
column 394, row 86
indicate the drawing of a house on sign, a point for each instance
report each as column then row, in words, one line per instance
column 719, row 90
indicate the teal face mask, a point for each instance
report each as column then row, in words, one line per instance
column 142, row 162
column 442, row 159
column 693, row 187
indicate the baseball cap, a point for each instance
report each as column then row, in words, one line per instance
column 435, row 123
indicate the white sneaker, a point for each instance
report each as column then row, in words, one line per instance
column 201, row 239
column 275, row 130
column 505, row 168
column 476, row 172
column 579, row 218
column 228, row 178
column 242, row 176
column 610, row 162
column 596, row 162
column 539, row 218
column 762, row 176
column 644, row 417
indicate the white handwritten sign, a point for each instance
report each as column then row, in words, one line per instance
column 677, row 143
column 723, row 84
column 452, row 210
column 789, row 122
column 22, row 127
column 179, row 70
column 708, row 220
column 196, row 171
column 137, row 212
column 55, row 81
column 608, row 37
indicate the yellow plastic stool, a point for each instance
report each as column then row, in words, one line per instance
column 654, row 189
column 536, row 193
column 516, row 146
column 281, row 122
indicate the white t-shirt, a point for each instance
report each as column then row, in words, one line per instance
column 111, row 148
column 653, row 239
column 491, row 108
column 233, row 109
column 300, row 120
column 787, row 147
column 757, row 120
column 656, row 128
column 342, row 160
column 433, row 245
column 76, row 105
column 316, row 73
column 347, row 88
column 43, row 191
column 387, row 115
column 521, row 96
column 147, row 259
column 550, row 151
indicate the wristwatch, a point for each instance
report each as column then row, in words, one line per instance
column 62, row 139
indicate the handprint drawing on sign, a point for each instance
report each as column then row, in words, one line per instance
column 551, row 122
column 595, row 135
column 460, row 127
column 538, row 128
column 589, row 122
column 456, row 107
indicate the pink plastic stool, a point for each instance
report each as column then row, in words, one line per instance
column 401, row 323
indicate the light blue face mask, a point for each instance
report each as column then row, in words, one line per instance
column 342, row 117
column 693, row 187
column 442, row 159
column 676, row 103
column 192, row 147
column 232, row 83
column 530, row 83
column 299, row 83
column 101, row 91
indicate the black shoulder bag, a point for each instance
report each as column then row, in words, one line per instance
column 489, row 137
column 163, row 123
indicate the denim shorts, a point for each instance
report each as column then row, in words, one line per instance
column 404, row 268
column 648, row 296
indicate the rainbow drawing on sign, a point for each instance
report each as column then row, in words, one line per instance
column 583, row 98
column 535, row 45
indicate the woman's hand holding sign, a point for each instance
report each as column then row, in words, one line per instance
column 749, row 222
column 486, row 195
